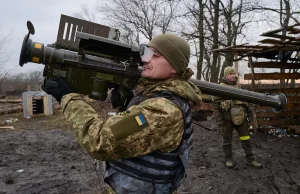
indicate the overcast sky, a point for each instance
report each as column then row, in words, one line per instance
column 44, row 15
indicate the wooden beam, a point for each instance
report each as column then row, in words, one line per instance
column 282, row 90
column 293, row 105
column 252, row 73
column 10, row 101
column 293, row 99
column 11, row 110
column 236, row 65
column 271, row 41
column 255, row 124
column 7, row 127
column 263, row 109
column 272, row 76
column 289, row 105
column 280, row 114
column 275, row 65
column 279, row 122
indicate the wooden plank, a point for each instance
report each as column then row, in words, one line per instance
column 45, row 103
column 278, row 122
column 263, row 109
column 280, row 114
column 271, row 41
column 10, row 101
column 7, row 127
column 293, row 99
column 272, row 76
column 275, row 65
column 29, row 105
column 252, row 74
column 255, row 125
column 282, row 90
column 11, row 110
column 288, row 107
column 37, row 97
column 279, row 42
column 293, row 105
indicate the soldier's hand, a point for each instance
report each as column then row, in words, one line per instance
column 120, row 97
column 250, row 119
column 57, row 87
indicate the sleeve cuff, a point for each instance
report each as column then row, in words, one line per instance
column 67, row 98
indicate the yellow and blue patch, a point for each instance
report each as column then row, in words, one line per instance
column 140, row 119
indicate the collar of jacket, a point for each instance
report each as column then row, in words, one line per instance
column 224, row 80
column 178, row 86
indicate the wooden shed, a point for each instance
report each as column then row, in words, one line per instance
column 279, row 51
column 37, row 102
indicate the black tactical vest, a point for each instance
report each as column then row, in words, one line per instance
column 159, row 167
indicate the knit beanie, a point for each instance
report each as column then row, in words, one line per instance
column 174, row 48
column 228, row 70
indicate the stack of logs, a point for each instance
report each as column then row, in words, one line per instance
column 14, row 106
column 10, row 106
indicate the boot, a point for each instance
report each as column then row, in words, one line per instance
column 229, row 163
column 246, row 145
column 254, row 164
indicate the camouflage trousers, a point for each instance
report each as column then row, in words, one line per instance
column 244, row 136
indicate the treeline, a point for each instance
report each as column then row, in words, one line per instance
column 207, row 24
column 16, row 84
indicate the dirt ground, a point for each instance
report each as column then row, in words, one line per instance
column 40, row 156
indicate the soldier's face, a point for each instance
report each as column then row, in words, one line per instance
column 231, row 77
column 157, row 67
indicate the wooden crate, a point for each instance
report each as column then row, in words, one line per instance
column 35, row 103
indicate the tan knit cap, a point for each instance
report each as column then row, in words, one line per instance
column 174, row 48
column 228, row 70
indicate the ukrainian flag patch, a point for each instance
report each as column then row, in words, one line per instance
column 140, row 119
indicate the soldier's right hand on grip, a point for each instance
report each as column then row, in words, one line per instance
column 120, row 98
column 57, row 87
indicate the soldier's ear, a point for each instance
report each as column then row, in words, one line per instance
column 174, row 71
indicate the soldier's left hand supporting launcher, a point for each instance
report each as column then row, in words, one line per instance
column 91, row 64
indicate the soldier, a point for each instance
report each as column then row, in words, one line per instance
column 236, row 114
column 145, row 149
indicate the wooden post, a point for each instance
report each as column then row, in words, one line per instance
column 255, row 126
column 46, row 103
column 236, row 65
column 28, row 88
column 252, row 73
column 29, row 105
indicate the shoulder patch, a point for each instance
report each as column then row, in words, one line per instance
column 140, row 119
column 130, row 124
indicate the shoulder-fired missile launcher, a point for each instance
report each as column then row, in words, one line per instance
column 91, row 59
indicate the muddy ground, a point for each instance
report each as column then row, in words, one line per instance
column 40, row 156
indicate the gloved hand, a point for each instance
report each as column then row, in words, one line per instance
column 120, row 97
column 250, row 119
column 57, row 87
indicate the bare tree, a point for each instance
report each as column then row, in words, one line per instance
column 4, row 57
column 287, row 12
column 195, row 18
column 215, row 24
column 140, row 19
column 19, row 82
column 86, row 13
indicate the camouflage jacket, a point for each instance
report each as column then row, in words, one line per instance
column 227, row 104
column 122, row 136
